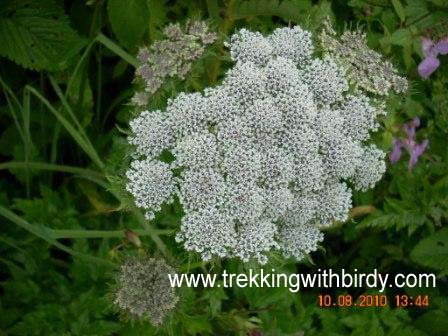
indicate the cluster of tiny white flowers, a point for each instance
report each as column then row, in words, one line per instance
column 265, row 159
column 152, row 183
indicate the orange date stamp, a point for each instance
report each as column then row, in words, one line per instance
column 372, row 300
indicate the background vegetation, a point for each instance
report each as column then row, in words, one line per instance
column 66, row 76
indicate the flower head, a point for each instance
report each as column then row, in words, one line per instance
column 143, row 289
column 262, row 160
column 365, row 68
column 171, row 57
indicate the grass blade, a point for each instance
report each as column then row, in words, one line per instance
column 51, row 167
column 45, row 234
column 78, row 137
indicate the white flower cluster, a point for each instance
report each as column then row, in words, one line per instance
column 263, row 160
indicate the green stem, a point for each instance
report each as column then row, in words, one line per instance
column 75, row 234
column 52, row 167
column 83, row 142
column 111, row 45
column 156, row 239
column 45, row 234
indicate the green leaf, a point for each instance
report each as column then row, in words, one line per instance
column 288, row 10
column 37, row 34
column 437, row 319
column 433, row 251
column 157, row 17
column 197, row 325
column 399, row 10
column 400, row 37
column 129, row 20
column 44, row 233
column 116, row 49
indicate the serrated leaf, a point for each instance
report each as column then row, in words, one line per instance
column 129, row 20
column 433, row 251
column 37, row 34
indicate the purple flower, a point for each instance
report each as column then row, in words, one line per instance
column 442, row 46
column 415, row 150
column 395, row 155
column 410, row 127
column 409, row 143
column 431, row 50
column 428, row 66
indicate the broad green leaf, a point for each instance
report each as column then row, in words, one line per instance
column 433, row 251
column 157, row 17
column 129, row 20
column 288, row 10
column 37, row 34
column 400, row 37
column 399, row 10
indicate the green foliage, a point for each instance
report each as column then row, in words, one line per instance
column 37, row 34
column 67, row 220
column 288, row 10
column 129, row 20
column 433, row 251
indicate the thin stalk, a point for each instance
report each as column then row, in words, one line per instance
column 75, row 234
column 159, row 242
column 13, row 96
column 112, row 46
column 28, row 143
column 117, row 101
column 78, row 67
column 99, row 85
column 66, row 105
column 14, row 116
column 51, row 167
column 82, row 142
column 54, row 143
column 45, row 234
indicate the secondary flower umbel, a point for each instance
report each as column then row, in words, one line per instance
column 262, row 160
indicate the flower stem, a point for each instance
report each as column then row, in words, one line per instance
column 74, row 234
column 115, row 48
